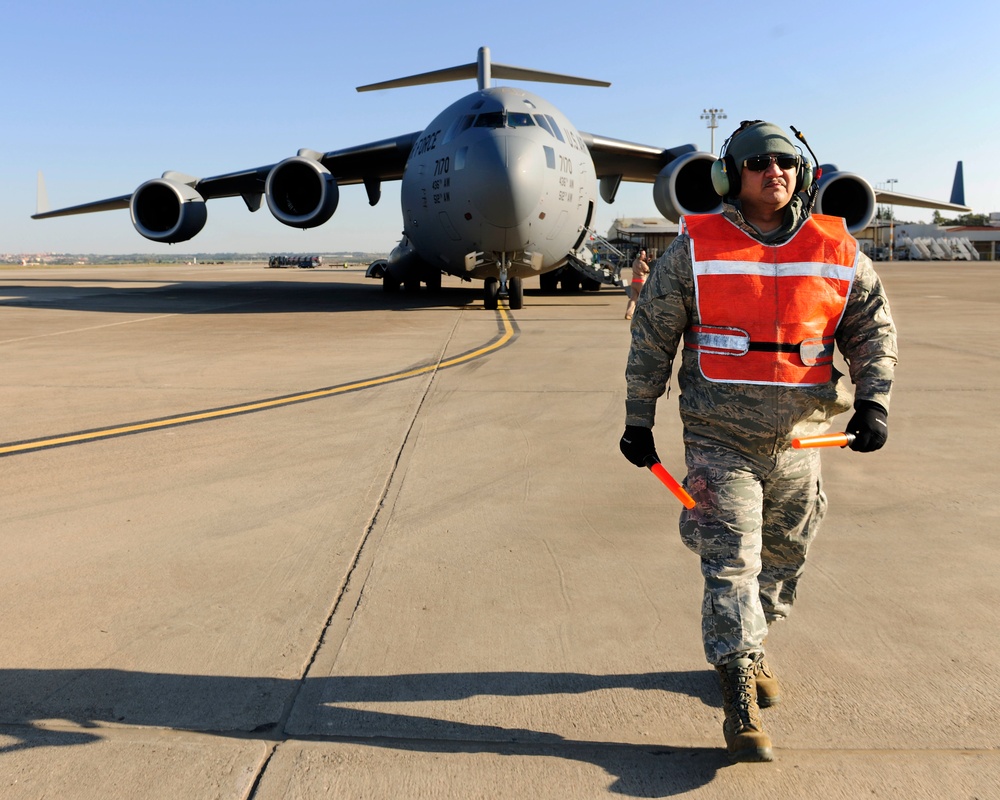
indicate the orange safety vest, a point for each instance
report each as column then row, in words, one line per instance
column 768, row 313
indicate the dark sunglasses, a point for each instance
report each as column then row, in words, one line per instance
column 760, row 163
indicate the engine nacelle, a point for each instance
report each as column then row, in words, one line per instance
column 684, row 186
column 842, row 194
column 167, row 210
column 301, row 192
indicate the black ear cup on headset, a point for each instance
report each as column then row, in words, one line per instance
column 805, row 175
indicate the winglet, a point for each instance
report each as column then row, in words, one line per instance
column 958, row 187
column 42, row 196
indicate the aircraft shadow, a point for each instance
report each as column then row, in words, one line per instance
column 244, row 297
column 256, row 707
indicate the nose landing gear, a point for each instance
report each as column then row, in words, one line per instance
column 515, row 293
column 512, row 288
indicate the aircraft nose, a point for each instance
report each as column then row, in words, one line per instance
column 512, row 170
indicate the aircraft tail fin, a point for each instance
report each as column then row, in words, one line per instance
column 483, row 71
column 41, row 196
column 958, row 186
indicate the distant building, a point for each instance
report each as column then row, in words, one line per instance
column 927, row 241
column 652, row 234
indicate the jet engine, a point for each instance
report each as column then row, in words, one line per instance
column 842, row 194
column 166, row 210
column 684, row 186
column 301, row 192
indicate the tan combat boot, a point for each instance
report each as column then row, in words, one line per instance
column 743, row 728
column 768, row 690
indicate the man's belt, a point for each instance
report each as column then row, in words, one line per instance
column 774, row 347
column 725, row 341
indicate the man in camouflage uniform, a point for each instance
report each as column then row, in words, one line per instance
column 759, row 501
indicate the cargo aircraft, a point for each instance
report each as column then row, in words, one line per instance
column 499, row 187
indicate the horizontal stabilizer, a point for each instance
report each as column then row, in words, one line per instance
column 896, row 199
column 484, row 71
column 438, row 76
column 523, row 74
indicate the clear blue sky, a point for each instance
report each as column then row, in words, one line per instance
column 101, row 97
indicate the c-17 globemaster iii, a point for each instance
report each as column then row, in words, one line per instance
column 500, row 186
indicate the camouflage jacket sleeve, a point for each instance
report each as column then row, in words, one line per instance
column 658, row 324
column 867, row 336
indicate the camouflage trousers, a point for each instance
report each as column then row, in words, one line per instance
column 752, row 526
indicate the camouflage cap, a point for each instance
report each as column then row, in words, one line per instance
column 758, row 139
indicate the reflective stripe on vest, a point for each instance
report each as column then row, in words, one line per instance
column 768, row 313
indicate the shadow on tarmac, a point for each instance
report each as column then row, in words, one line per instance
column 207, row 297
column 232, row 297
column 257, row 708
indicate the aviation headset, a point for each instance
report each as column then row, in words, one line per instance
column 726, row 172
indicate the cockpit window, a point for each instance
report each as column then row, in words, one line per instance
column 544, row 123
column 491, row 119
column 458, row 126
column 501, row 119
column 555, row 128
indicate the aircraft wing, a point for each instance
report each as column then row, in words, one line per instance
column 382, row 160
column 110, row 204
column 639, row 163
column 680, row 174
column 370, row 164
column 896, row 199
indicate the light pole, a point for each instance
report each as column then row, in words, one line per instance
column 892, row 244
column 713, row 115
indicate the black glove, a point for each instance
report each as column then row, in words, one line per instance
column 870, row 426
column 637, row 445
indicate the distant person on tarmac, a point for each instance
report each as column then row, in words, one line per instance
column 760, row 294
column 640, row 271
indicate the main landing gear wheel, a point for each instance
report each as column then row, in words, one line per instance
column 491, row 293
column 515, row 293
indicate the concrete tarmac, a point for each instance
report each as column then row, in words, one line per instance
column 235, row 566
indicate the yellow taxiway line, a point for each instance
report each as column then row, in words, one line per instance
column 503, row 339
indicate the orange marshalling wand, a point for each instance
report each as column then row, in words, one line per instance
column 668, row 480
column 826, row 440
